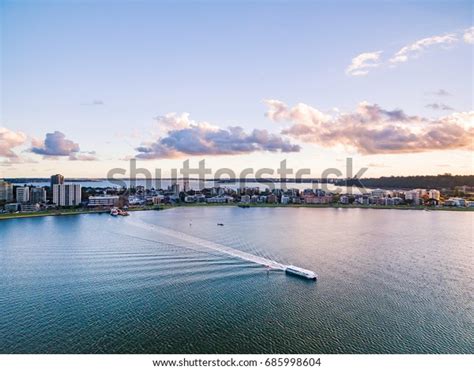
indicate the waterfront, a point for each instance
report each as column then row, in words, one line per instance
column 390, row 282
column 197, row 185
column 78, row 211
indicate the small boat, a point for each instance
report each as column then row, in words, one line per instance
column 298, row 271
column 219, row 224
column 118, row 212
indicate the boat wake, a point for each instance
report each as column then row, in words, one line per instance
column 209, row 245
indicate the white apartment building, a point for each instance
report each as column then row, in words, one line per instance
column 23, row 194
column 104, row 201
column 67, row 194
column 434, row 194
column 413, row 195
column 284, row 199
column 379, row 193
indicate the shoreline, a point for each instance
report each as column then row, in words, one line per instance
column 66, row 212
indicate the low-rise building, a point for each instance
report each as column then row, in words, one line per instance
column 156, row 199
column 104, row 201
column 397, row 201
column 200, row 197
column 35, row 207
column 272, row 198
column 434, row 194
column 220, row 199
column 413, row 197
column 378, row 193
column 455, row 202
column 245, row 199
column 363, row 200
column 12, row 207
column 314, row 199
column 190, row 199
column 134, row 200
column 262, row 199
column 344, row 199
column 389, row 201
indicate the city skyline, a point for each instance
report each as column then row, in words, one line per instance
column 88, row 86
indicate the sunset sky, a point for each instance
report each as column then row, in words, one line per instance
column 88, row 85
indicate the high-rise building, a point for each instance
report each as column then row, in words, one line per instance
column 186, row 186
column 67, row 195
column 23, row 194
column 6, row 191
column 37, row 195
column 175, row 188
column 57, row 180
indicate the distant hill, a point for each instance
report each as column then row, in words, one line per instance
column 445, row 181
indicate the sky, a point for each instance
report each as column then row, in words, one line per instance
column 88, row 85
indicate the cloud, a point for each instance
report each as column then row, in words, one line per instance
column 468, row 35
column 184, row 136
column 84, row 156
column 440, row 92
column 439, row 106
column 378, row 165
column 361, row 64
column 371, row 129
column 94, row 102
column 16, row 161
column 10, row 139
column 55, row 144
column 279, row 111
column 173, row 121
column 416, row 48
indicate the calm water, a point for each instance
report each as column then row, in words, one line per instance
column 391, row 281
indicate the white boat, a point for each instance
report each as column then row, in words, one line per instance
column 294, row 270
column 118, row 212
column 121, row 212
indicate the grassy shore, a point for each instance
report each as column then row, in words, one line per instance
column 70, row 212
column 79, row 211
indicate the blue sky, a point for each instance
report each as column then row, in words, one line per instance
column 100, row 72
